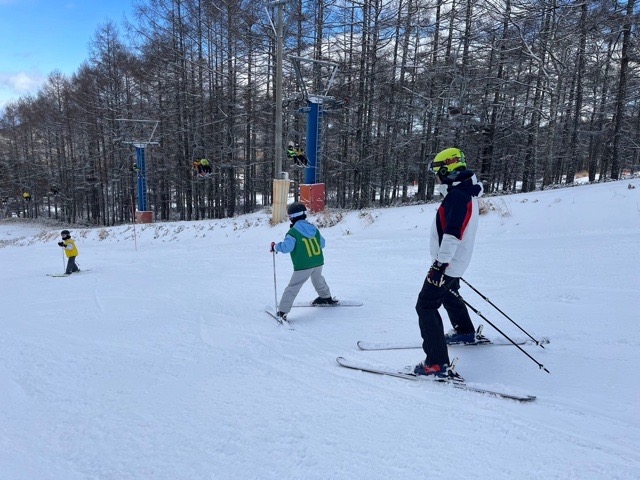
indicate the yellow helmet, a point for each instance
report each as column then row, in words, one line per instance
column 448, row 161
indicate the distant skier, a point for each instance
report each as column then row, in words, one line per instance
column 70, row 250
column 305, row 243
column 452, row 238
column 296, row 154
column 205, row 167
column 301, row 159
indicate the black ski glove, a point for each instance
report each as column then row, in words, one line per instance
column 436, row 273
column 61, row 244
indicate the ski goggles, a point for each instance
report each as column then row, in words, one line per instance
column 296, row 215
column 441, row 167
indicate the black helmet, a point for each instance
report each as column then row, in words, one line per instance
column 65, row 232
column 296, row 210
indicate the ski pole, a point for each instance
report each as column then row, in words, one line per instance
column 275, row 287
column 477, row 312
column 537, row 342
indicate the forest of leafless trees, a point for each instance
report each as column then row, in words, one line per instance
column 534, row 92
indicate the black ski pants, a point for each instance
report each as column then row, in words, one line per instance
column 71, row 266
column 430, row 299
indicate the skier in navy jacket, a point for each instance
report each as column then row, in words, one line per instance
column 452, row 238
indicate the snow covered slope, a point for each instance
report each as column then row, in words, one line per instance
column 160, row 362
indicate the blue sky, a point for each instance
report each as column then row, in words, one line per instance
column 40, row 36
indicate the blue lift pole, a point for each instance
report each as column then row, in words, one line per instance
column 142, row 179
column 313, row 135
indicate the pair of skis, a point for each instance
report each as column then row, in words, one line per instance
column 341, row 303
column 67, row 274
column 407, row 374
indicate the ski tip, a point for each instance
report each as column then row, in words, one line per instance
column 271, row 312
column 341, row 361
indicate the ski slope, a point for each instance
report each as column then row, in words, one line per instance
column 160, row 362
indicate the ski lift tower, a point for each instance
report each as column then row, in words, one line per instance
column 281, row 180
column 312, row 193
column 139, row 133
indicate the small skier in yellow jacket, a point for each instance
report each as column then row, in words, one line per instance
column 70, row 250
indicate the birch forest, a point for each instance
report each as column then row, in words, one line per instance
column 536, row 93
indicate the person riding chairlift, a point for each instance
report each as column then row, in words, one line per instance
column 296, row 154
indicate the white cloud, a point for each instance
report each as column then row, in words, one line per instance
column 21, row 82
column 15, row 85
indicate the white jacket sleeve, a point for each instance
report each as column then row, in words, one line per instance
column 448, row 248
